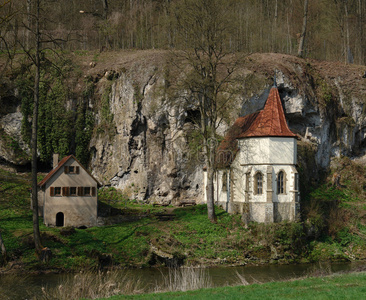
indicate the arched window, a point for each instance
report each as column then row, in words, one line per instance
column 281, row 182
column 224, row 181
column 258, row 183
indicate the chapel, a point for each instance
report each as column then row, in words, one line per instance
column 256, row 166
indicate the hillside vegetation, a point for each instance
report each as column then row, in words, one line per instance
column 335, row 29
column 332, row 228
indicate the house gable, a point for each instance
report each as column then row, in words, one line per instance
column 69, row 193
column 60, row 169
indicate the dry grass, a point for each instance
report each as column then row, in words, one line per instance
column 92, row 285
column 8, row 285
column 241, row 279
column 185, row 279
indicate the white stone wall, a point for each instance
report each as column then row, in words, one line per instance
column 269, row 156
column 268, row 150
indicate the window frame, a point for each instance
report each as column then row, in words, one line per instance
column 85, row 193
column 224, row 181
column 75, row 170
column 59, row 193
column 281, row 182
column 71, row 191
column 258, row 183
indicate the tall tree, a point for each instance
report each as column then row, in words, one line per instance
column 36, row 60
column 3, row 250
column 105, row 9
column 300, row 51
column 204, row 27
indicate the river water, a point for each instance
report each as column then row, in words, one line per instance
column 29, row 286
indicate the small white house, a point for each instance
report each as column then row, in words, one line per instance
column 256, row 162
column 67, row 196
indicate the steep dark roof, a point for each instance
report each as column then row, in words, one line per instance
column 270, row 121
column 60, row 164
column 228, row 148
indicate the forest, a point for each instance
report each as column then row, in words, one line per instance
column 325, row 29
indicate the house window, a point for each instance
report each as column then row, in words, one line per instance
column 71, row 169
column 73, row 191
column 281, row 182
column 87, row 191
column 57, row 191
column 258, row 184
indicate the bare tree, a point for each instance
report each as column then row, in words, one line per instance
column 3, row 250
column 204, row 26
column 105, row 8
column 300, row 51
column 36, row 60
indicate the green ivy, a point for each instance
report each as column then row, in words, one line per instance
column 60, row 129
column 84, row 129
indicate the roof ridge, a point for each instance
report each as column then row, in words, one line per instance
column 59, row 165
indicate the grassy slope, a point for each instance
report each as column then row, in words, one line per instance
column 349, row 286
column 190, row 235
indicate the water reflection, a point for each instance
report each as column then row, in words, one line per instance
column 26, row 287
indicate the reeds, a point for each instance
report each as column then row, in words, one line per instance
column 93, row 285
column 184, row 279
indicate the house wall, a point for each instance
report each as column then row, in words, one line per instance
column 77, row 210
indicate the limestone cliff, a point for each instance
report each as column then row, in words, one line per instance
column 144, row 149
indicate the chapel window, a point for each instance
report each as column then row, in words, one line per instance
column 224, row 181
column 296, row 181
column 281, row 183
column 258, row 184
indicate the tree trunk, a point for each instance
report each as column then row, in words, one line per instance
column 348, row 54
column 210, row 149
column 29, row 20
column 3, row 250
column 210, row 195
column 105, row 9
column 300, row 51
column 360, row 26
column 37, row 237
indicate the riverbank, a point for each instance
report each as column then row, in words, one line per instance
column 149, row 240
column 338, row 286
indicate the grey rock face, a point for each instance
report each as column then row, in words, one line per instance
column 149, row 157
column 147, row 154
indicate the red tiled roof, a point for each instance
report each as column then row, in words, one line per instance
column 60, row 164
column 228, row 148
column 270, row 121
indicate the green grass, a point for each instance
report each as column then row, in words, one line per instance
column 189, row 236
column 347, row 286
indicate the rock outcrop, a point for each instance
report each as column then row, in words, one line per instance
column 147, row 153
